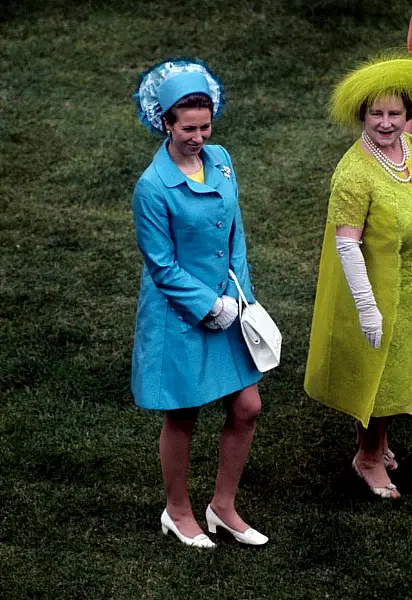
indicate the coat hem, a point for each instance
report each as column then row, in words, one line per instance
column 214, row 399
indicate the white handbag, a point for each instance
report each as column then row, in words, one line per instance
column 260, row 332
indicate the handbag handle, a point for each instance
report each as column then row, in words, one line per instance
column 239, row 289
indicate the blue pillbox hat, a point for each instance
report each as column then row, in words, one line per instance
column 182, row 84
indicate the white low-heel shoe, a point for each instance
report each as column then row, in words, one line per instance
column 250, row 536
column 199, row 541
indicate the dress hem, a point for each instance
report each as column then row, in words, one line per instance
column 383, row 414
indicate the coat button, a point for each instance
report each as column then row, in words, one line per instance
column 219, row 224
column 220, row 253
column 222, row 285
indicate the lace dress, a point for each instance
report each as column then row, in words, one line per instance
column 343, row 371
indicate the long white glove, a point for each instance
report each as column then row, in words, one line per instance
column 354, row 267
column 223, row 313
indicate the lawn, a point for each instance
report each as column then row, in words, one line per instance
column 80, row 484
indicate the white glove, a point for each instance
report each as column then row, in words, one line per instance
column 354, row 267
column 223, row 313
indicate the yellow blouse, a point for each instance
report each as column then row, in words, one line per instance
column 199, row 176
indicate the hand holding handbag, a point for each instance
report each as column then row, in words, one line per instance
column 260, row 332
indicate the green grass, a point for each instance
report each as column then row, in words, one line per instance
column 80, row 484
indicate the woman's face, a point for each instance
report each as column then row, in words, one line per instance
column 385, row 120
column 193, row 127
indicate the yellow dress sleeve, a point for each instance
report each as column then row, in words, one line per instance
column 350, row 192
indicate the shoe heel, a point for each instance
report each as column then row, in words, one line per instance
column 211, row 527
column 165, row 529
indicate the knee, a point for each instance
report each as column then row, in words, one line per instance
column 252, row 410
column 247, row 406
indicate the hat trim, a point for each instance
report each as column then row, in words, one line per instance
column 381, row 76
column 147, row 106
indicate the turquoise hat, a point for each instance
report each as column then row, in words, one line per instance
column 180, row 85
column 165, row 83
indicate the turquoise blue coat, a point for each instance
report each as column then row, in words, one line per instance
column 189, row 234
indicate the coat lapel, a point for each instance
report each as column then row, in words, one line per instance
column 172, row 176
column 213, row 168
column 166, row 168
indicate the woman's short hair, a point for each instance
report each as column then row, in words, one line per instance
column 407, row 102
column 197, row 100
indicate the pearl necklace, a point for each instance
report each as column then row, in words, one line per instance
column 395, row 166
column 389, row 165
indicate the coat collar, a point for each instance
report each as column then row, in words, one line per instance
column 172, row 176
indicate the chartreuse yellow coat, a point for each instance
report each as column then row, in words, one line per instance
column 343, row 371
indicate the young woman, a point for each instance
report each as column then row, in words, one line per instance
column 189, row 350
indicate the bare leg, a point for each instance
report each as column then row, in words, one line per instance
column 175, row 440
column 243, row 409
column 389, row 459
column 369, row 458
column 388, row 421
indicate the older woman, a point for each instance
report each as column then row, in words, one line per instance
column 360, row 357
column 188, row 349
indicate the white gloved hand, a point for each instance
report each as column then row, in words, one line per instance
column 354, row 267
column 223, row 313
column 371, row 324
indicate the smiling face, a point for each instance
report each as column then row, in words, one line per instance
column 193, row 127
column 385, row 121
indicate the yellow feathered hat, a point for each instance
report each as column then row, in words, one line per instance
column 382, row 76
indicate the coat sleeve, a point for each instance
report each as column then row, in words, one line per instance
column 237, row 248
column 188, row 295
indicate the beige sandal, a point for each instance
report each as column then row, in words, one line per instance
column 389, row 491
column 389, row 460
